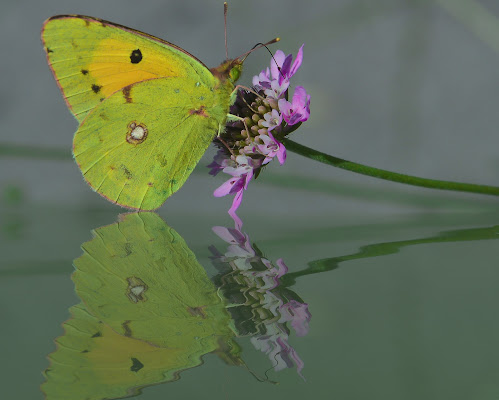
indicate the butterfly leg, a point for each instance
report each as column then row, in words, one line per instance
column 233, row 96
column 234, row 118
column 236, row 89
column 231, row 118
column 219, row 137
column 248, row 89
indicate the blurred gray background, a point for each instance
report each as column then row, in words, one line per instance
column 405, row 85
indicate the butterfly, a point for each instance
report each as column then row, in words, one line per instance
column 147, row 109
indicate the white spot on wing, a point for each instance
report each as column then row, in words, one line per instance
column 138, row 133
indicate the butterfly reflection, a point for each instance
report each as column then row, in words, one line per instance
column 148, row 310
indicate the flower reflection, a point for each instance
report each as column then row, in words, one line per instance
column 259, row 307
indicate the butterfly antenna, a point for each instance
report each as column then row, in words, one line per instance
column 226, row 6
column 273, row 58
column 272, row 55
column 257, row 46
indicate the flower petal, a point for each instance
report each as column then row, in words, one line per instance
column 297, row 62
column 279, row 57
column 299, row 109
column 234, row 184
column 281, row 154
column 284, row 107
column 300, row 98
column 281, row 150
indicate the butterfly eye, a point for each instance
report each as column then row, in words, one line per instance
column 235, row 73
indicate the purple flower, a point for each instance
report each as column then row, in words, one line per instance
column 281, row 151
column 242, row 165
column 262, row 79
column 276, row 63
column 272, row 120
column 247, row 146
column 271, row 148
column 288, row 67
column 234, row 185
column 242, row 172
column 299, row 109
column 220, row 161
column 277, row 89
column 276, row 82
column 241, row 169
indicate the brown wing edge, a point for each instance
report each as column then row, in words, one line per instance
column 47, row 51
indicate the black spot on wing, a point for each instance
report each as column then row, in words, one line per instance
column 98, row 334
column 84, row 71
column 96, row 88
column 136, row 365
column 49, row 50
column 136, row 56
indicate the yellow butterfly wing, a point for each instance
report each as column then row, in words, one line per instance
column 140, row 145
column 92, row 58
column 148, row 110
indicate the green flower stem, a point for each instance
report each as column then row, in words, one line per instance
column 388, row 175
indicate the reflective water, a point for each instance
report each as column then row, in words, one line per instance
column 386, row 307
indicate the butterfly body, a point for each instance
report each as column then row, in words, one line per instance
column 147, row 109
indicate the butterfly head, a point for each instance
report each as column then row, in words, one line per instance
column 236, row 70
column 229, row 70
